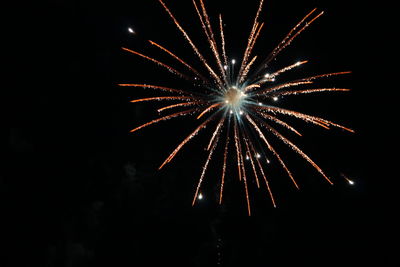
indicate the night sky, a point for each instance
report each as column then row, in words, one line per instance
column 77, row 189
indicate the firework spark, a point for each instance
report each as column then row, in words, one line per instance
column 232, row 100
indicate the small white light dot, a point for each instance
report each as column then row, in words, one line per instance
column 131, row 30
column 231, row 111
column 298, row 63
column 258, row 155
column 200, row 196
column 225, row 67
column 275, row 98
column 268, row 161
column 233, row 61
column 241, row 112
column 267, row 75
column 260, row 104
column 273, row 79
column 247, row 157
column 351, row 182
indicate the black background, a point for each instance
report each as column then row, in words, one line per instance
column 78, row 190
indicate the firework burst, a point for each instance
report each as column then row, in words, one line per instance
column 231, row 96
